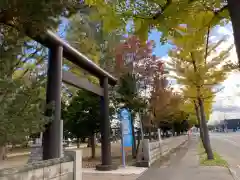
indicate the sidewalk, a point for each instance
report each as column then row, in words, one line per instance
column 184, row 165
column 129, row 172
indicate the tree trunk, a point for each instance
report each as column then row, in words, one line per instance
column 89, row 142
column 205, row 130
column 149, row 134
column 138, row 141
column 134, row 148
column 201, row 134
column 82, row 140
column 93, row 145
column 78, row 142
column 173, row 130
column 199, row 122
column 3, row 152
column 233, row 8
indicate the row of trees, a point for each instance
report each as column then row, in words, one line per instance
column 142, row 83
column 187, row 25
column 97, row 29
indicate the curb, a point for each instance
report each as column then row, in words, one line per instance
column 233, row 173
column 230, row 170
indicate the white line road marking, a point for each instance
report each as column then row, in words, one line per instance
column 232, row 142
column 234, row 169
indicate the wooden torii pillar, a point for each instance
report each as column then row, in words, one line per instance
column 52, row 137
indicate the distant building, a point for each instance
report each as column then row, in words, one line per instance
column 231, row 124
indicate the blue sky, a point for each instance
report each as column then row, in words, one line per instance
column 160, row 50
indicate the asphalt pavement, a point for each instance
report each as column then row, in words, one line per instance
column 228, row 146
column 183, row 164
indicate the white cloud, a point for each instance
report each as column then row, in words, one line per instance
column 172, row 82
column 227, row 102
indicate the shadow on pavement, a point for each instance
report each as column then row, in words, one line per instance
column 162, row 169
column 174, row 156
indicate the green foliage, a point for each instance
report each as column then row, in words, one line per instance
column 22, row 110
column 163, row 15
column 87, row 36
column 128, row 94
column 82, row 117
column 38, row 15
column 81, row 32
column 188, row 107
column 22, row 86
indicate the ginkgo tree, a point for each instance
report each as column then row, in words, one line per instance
column 166, row 15
column 198, row 66
column 163, row 15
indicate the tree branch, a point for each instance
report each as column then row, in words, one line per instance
column 5, row 21
column 163, row 8
column 207, row 97
column 217, row 12
column 207, row 44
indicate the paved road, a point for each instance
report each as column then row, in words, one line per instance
column 228, row 146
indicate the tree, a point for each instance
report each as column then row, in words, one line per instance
column 128, row 55
column 192, row 108
column 25, row 18
column 131, row 55
column 82, row 118
column 195, row 65
column 127, row 95
column 22, row 88
column 80, row 33
column 86, row 35
column 165, row 106
column 22, row 110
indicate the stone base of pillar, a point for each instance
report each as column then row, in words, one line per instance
column 36, row 153
column 110, row 167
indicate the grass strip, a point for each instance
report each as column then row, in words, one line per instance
column 217, row 161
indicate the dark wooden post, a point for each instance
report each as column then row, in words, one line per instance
column 52, row 139
column 105, row 131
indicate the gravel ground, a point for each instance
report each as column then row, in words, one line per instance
column 109, row 177
column 87, row 161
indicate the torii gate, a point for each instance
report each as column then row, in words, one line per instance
column 52, row 139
